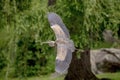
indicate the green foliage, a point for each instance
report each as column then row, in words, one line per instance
column 87, row 19
column 32, row 57
column 24, row 26
column 23, row 4
column 3, row 61
column 112, row 76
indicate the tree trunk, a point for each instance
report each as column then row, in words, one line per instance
column 51, row 2
column 80, row 68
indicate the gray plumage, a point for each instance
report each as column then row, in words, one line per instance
column 53, row 19
column 65, row 46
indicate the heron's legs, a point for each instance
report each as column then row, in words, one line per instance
column 50, row 43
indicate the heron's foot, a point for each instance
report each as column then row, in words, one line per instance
column 51, row 43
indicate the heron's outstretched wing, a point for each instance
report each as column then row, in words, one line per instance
column 65, row 46
column 63, row 58
column 53, row 19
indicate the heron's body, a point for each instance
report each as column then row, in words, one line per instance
column 65, row 46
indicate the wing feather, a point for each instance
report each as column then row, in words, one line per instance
column 53, row 19
column 65, row 46
column 63, row 60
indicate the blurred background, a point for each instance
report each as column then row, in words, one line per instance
column 24, row 26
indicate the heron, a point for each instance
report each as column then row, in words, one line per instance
column 65, row 46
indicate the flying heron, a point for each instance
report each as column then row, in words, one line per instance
column 65, row 45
